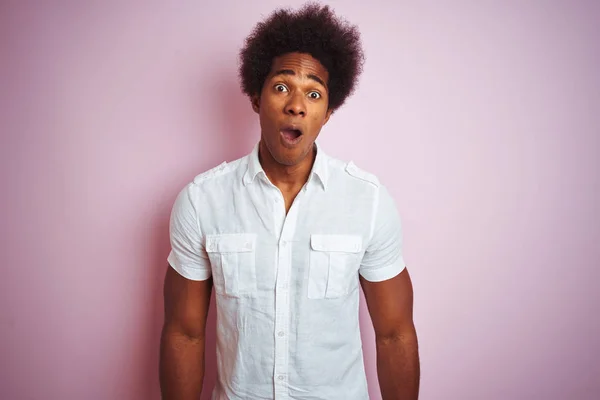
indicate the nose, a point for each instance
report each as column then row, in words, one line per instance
column 295, row 105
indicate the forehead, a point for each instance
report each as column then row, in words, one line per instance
column 302, row 64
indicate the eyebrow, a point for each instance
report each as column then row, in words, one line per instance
column 309, row 76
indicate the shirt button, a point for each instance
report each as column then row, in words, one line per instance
column 281, row 333
column 284, row 243
column 281, row 377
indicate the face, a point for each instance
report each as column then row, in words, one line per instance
column 293, row 107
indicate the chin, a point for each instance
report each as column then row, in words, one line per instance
column 288, row 157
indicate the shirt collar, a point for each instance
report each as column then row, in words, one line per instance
column 320, row 167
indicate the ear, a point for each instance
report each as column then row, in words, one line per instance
column 255, row 100
column 327, row 115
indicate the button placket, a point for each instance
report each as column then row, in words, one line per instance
column 282, row 318
column 282, row 301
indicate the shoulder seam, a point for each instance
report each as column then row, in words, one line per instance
column 219, row 170
column 358, row 173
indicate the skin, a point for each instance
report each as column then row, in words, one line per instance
column 390, row 305
column 294, row 92
column 182, row 344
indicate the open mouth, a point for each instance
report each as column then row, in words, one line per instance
column 291, row 134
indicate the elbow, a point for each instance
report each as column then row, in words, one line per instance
column 397, row 336
column 188, row 333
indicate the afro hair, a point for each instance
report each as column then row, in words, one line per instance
column 313, row 29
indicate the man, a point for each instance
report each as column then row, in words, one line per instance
column 285, row 235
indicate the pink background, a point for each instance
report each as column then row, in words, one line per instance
column 482, row 118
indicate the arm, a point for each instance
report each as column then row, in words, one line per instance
column 388, row 291
column 187, row 290
column 390, row 305
column 182, row 341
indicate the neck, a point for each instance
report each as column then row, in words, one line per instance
column 286, row 177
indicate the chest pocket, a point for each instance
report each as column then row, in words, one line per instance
column 233, row 261
column 334, row 262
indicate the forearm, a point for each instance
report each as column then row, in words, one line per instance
column 398, row 367
column 181, row 366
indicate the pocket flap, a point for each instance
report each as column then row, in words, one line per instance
column 230, row 243
column 338, row 243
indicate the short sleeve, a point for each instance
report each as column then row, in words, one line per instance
column 188, row 256
column 383, row 257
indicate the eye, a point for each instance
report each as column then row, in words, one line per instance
column 314, row 95
column 281, row 88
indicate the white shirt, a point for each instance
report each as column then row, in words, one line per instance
column 287, row 286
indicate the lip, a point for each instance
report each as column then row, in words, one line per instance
column 286, row 141
column 292, row 127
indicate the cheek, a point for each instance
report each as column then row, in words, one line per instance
column 270, row 105
column 266, row 111
column 319, row 116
